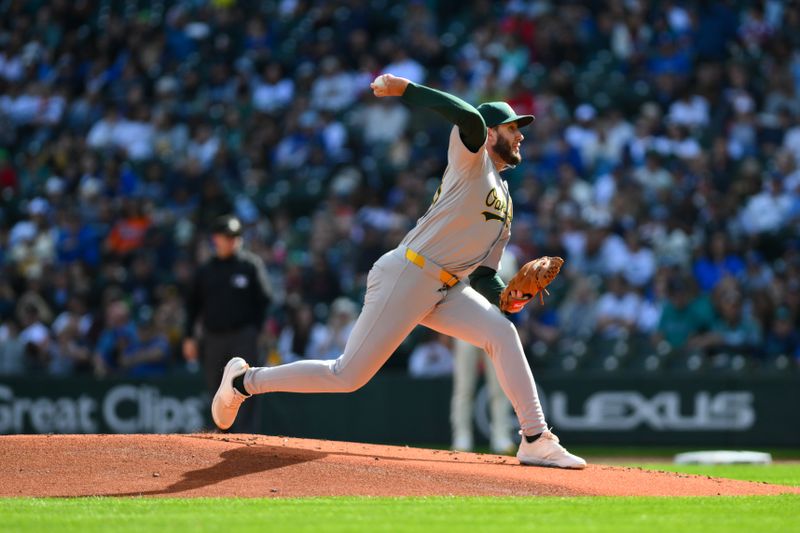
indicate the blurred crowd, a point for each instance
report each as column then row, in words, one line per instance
column 664, row 166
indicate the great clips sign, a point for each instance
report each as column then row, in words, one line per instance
column 99, row 408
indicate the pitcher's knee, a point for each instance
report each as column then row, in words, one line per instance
column 351, row 383
column 347, row 379
column 503, row 337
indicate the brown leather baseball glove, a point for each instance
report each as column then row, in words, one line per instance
column 532, row 279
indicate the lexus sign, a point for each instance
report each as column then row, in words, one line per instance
column 627, row 410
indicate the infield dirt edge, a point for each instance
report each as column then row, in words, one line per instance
column 226, row 465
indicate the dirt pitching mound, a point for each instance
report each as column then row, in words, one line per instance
column 257, row 466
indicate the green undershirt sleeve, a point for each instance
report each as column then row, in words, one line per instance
column 486, row 281
column 471, row 126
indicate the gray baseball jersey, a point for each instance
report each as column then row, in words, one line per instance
column 468, row 223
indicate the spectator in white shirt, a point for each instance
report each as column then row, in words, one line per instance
column 597, row 251
column 678, row 142
column 12, row 350
column 203, row 145
column 382, row 121
column 791, row 140
column 612, row 253
column 33, row 241
column 35, row 336
column 273, row 91
column 11, row 66
column 643, row 141
column 577, row 314
column 640, row 262
column 617, row 309
column 51, row 106
column 33, row 105
column 301, row 335
column 605, row 187
column 334, row 137
column 768, row 211
column 787, row 168
column 405, row 67
column 101, row 134
column 620, row 129
column 342, row 318
column 333, row 90
column 689, row 110
column 742, row 130
column 652, row 176
column 572, row 188
column 135, row 136
column 614, row 134
column 672, row 243
column 582, row 135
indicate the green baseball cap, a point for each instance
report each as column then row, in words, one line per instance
column 496, row 113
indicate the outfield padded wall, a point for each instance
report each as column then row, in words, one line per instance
column 393, row 408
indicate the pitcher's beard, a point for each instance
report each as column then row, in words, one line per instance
column 503, row 148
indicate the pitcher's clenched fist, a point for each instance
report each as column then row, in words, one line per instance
column 389, row 85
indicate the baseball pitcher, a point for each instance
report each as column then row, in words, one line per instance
column 443, row 275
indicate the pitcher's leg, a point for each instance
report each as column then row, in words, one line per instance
column 398, row 296
column 467, row 315
column 465, row 374
column 500, row 409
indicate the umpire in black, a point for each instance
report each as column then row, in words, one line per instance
column 229, row 295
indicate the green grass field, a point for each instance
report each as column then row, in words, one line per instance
column 735, row 514
column 584, row 514
column 668, row 452
column 780, row 474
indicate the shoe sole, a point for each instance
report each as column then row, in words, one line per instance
column 225, row 374
column 546, row 464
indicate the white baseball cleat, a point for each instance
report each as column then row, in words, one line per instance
column 546, row 451
column 227, row 400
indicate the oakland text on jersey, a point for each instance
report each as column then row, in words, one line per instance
column 500, row 205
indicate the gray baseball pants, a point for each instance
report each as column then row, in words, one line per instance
column 400, row 296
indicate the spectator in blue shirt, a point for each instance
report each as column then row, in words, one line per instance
column 117, row 337
column 149, row 354
column 77, row 242
column 718, row 261
column 782, row 337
